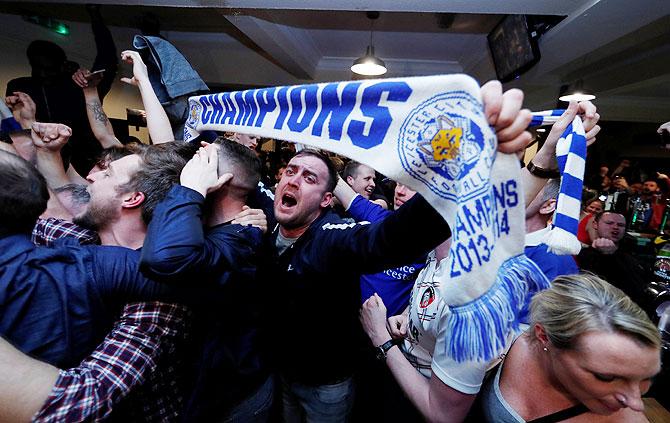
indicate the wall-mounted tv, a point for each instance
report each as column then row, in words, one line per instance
column 513, row 47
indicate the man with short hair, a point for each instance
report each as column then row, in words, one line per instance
column 607, row 259
column 361, row 178
column 651, row 209
column 539, row 214
column 64, row 298
column 124, row 195
column 93, row 282
column 247, row 140
column 230, row 380
column 311, row 271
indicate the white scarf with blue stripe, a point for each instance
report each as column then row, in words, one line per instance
column 431, row 134
column 571, row 157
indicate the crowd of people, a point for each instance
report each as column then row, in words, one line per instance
column 220, row 281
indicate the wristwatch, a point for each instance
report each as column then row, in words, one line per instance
column 541, row 172
column 383, row 349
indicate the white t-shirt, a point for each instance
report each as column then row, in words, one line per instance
column 427, row 334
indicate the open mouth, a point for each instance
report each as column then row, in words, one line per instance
column 288, row 200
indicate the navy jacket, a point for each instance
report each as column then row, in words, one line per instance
column 57, row 304
column 313, row 289
column 217, row 269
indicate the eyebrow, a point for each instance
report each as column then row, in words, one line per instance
column 310, row 173
column 618, row 376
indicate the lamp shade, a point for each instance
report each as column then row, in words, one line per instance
column 577, row 93
column 369, row 65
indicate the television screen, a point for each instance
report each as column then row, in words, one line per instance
column 513, row 49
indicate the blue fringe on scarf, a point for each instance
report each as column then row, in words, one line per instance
column 478, row 330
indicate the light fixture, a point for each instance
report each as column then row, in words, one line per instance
column 369, row 65
column 50, row 23
column 577, row 93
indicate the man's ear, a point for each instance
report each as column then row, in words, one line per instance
column 132, row 200
column 548, row 207
column 350, row 180
column 326, row 200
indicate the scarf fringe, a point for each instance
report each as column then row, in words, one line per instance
column 478, row 330
column 562, row 242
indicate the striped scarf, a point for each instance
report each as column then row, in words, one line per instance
column 571, row 157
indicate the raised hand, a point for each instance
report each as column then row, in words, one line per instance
column 50, row 136
column 503, row 112
column 85, row 79
column 252, row 217
column 140, row 73
column 201, row 172
column 373, row 319
column 397, row 326
column 23, row 107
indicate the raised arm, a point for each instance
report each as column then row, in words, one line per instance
column 158, row 123
column 344, row 193
column 106, row 57
column 436, row 401
column 49, row 139
column 176, row 243
column 546, row 156
column 97, row 119
column 30, row 389
column 23, row 108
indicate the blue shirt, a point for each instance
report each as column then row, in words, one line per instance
column 393, row 285
column 551, row 264
column 217, row 269
column 57, row 304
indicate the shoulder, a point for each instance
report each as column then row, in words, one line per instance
column 330, row 222
column 23, row 80
column 244, row 235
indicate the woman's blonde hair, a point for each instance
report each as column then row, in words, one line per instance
column 576, row 304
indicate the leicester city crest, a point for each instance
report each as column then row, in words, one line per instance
column 194, row 114
column 446, row 143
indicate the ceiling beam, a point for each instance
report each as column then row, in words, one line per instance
column 290, row 48
column 536, row 7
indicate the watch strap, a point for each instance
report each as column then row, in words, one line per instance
column 384, row 348
column 541, row 172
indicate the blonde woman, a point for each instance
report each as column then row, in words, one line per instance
column 589, row 355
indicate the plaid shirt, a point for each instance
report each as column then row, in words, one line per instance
column 136, row 355
column 47, row 231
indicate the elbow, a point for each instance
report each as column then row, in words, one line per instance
column 159, row 266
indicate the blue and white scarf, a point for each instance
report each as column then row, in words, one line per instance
column 571, row 157
column 431, row 134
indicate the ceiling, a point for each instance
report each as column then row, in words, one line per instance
column 618, row 48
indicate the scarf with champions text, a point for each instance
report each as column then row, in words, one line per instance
column 431, row 134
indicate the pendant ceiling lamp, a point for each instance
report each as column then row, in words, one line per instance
column 369, row 64
column 577, row 93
